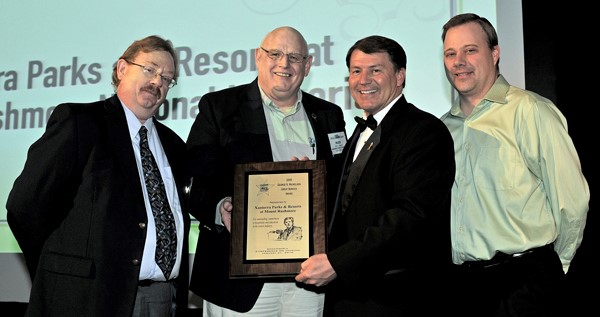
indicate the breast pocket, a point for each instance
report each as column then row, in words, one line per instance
column 494, row 168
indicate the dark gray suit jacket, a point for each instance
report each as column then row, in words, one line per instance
column 78, row 213
column 230, row 129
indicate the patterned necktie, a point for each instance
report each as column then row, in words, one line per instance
column 166, row 239
column 363, row 124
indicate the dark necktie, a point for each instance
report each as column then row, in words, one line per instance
column 363, row 124
column 166, row 239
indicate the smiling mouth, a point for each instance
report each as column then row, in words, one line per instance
column 282, row 74
column 367, row 92
column 463, row 74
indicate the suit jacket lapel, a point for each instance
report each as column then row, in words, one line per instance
column 254, row 121
column 252, row 111
column 118, row 137
column 367, row 149
column 358, row 166
column 348, row 154
column 352, row 171
column 318, row 126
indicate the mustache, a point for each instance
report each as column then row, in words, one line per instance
column 153, row 90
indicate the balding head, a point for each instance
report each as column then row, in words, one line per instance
column 290, row 35
column 282, row 62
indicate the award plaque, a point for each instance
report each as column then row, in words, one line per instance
column 278, row 218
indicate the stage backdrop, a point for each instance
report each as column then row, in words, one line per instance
column 63, row 51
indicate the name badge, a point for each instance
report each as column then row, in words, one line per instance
column 337, row 140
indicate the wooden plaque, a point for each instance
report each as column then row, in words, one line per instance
column 278, row 218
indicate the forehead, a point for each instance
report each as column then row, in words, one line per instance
column 362, row 59
column 284, row 40
column 159, row 59
column 466, row 34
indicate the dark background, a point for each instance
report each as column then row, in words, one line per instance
column 560, row 66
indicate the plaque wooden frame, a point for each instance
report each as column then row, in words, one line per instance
column 248, row 221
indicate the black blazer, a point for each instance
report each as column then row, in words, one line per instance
column 77, row 211
column 230, row 129
column 392, row 217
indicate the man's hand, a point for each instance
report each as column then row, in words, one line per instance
column 225, row 210
column 316, row 270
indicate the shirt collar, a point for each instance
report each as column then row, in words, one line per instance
column 381, row 114
column 134, row 124
column 496, row 94
column 269, row 103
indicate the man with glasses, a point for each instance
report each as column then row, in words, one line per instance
column 83, row 209
column 267, row 120
column 151, row 72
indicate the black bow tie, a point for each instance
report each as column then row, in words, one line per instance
column 363, row 124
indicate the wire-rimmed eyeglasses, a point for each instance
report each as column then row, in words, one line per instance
column 277, row 55
column 150, row 72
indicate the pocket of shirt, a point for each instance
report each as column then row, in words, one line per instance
column 494, row 168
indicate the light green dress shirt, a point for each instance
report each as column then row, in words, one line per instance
column 518, row 182
column 291, row 133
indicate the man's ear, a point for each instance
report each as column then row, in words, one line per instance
column 400, row 77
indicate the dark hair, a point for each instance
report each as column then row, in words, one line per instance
column 152, row 43
column 486, row 26
column 380, row 44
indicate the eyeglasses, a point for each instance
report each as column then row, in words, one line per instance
column 277, row 55
column 150, row 72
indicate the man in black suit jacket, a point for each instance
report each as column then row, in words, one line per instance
column 389, row 236
column 254, row 123
column 79, row 210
